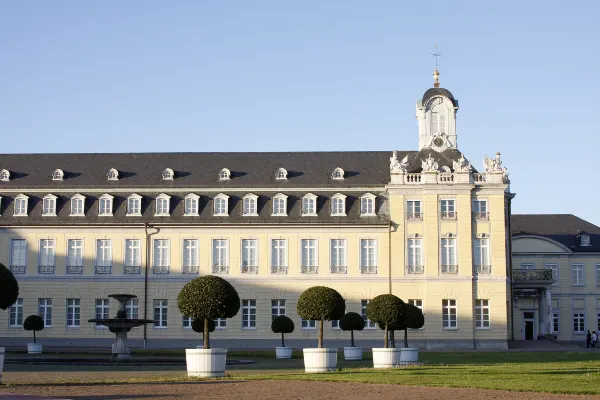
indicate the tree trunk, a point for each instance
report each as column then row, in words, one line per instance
column 406, row 337
column 282, row 340
column 206, row 333
column 351, row 338
column 34, row 336
column 320, row 334
column 392, row 339
column 386, row 336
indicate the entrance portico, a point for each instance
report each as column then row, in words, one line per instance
column 532, row 303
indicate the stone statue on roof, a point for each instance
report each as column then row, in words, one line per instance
column 429, row 164
column 461, row 165
column 398, row 166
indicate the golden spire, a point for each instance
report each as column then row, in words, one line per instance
column 436, row 74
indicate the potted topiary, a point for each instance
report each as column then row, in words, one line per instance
column 34, row 323
column 352, row 322
column 9, row 292
column 320, row 303
column 385, row 309
column 282, row 324
column 413, row 319
column 198, row 327
column 207, row 298
column 392, row 328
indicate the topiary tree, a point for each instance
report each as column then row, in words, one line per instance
column 392, row 328
column 33, row 323
column 413, row 319
column 9, row 288
column 207, row 298
column 282, row 324
column 352, row 322
column 321, row 303
column 198, row 326
column 385, row 309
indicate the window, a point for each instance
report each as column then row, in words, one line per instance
column 133, row 259
column 578, row 322
column 105, row 207
column 220, row 323
column 335, row 324
column 338, row 256
column 449, row 256
column 45, row 311
column 167, row 174
column 191, row 264
column 598, row 319
column 21, row 205
column 280, row 205
column 415, row 260
column 482, row 314
column 249, row 207
column 77, row 205
column 577, row 274
column 221, row 206
column 18, row 255
column 308, row 259
column 438, row 120
column 281, row 174
column 527, row 266
column 554, row 268
column 47, row 256
column 112, row 175
column 337, row 174
column 248, row 314
column 277, row 308
column 338, row 205
column 413, row 210
column 73, row 306
column 161, row 256
column 102, row 311
column 556, row 322
column 249, row 256
column 162, row 205
column 417, row 303
column 220, row 254
column 75, row 256
column 309, row 324
column 597, row 274
column 367, row 205
column 585, row 240
column 132, row 308
column 15, row 318
column 309, row 205
column 4, row 175
column 363, row 310
column 134, row 203
column 481, row 255
column 191, row 204
column 449, row 314
column 186, row 322
column 368, row 256
column 49, row 206
column 103, row 256
column 279, row 256
column 480, row 209
column 224, row 174
column 58, row 175
column 160, row 313
column 447, row 209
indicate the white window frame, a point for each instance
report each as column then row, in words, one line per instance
column 250, row 205
column 74, row 259
column 411, row 210
column 448, row 208
column 367, row 205
column 15, row 314
column 58, row 175
column 337, row 174
column 4, row 175
column 579, row 319
column 47, row 258
column 448, row 248
column 280, row 205
column 527, row 266
column 218, row 202
column 368, row 260
column 45, row 311
column 249, row 256
column 49, row 205
column 18, row 255
column 159, row 205
column 481, row 254
column 281, row 174
column 132, row 255
column 167, row 174
column 308, row 325
column 101, row 311
column 363, row 312
column 249, row 314
column 312, row 265
column 414, row 255
column 74, row 305
column 224, row 174
column 106, row 198
column 438, row 120
column 585, row 240
column 101, row 243
column 338, row 200
column 220, row 323
column 279, row 256
column 598, row 279
column 307, row 200
column 339, row 263
column 220, row 265
column 161, row 308
column 477, row 209
column 194, row 205
column 186, row 322
column 137, row 200
column 76, row 200
column 190, row 257
column 278, row 308
column 21, row 206
column 132, row 308
column 555, row 272
column 451, row 322
column 578, row 274
column 161, row 255
column 482, row 309
column 112, row 175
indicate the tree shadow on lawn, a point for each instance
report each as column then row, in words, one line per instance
column 114, row 397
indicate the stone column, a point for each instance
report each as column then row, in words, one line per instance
column 548, row 294
column 542, row 312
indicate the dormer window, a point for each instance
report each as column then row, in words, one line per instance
column 105, row 205
column 168, row 174
column 49, row 205
column 134, row 205
column 309, row 205
column 249, row 205
column 224, row 174
column 4, row 175
column 337, row 174
column 191, row 204
column 221, row 205
column 112, row 175
column 21, row 202
column 163, row 205
column 367, row 205
column 585, row 240
column 281, row 174
column 280, row 205
column 58, row 175
column 77, row 205
column 338, row 205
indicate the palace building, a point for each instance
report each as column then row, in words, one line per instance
column 424, row 223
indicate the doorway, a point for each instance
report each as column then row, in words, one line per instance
column 529, row 325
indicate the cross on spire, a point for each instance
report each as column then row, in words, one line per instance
column 436, row 74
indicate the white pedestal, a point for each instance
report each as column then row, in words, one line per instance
column 283, row 352
column 386, row 357
column 409, row 355
column 205, row 363
column 353, row 353
column 320, row 360
column 34, row 348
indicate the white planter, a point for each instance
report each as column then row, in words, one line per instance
column 320, row 360
column 1, row 362
column 409, row 355
column 205, row 363
column 283, row 352
column 34, row 348
column 352, row 353
column 386, row 358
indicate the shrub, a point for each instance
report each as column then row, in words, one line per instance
column 321, row 303
column 198, row 326
column 9, row 288
column 282, row 324
column 33, row 323
column 413, row 319
column 352, row 322
column 208, row 297
column 385, row 309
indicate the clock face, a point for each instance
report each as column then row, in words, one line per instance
column 438, row 142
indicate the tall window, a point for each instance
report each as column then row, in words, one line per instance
column 221, row 207
column 249, row 256
column 191, row 264
column 45, row 311
column 161, row 256
column 133, row 258
column 448, row 209
column 186, row 322
column 249, row 205
column 438, row 120
column 161, row 307
column 132, row 308
column 105, row 205
column 415, row 258
column 220, row 255
column 597, row 274
column 47, row 256
column 103, row 255
column 363, row 310
column 449, row 256
column 74, row 254
column 577, row 274
column 338, row 205
column 277, row 308
column 191, row 205
column 162, row 205
column 527, row 266
column 449, row 314
column 248, row 314
column 308, row 256
column 309, row 324
column 556, row 322
column 338, row 256
column 49, row 205
column 73, row 306
column 578, row 322
column 18, row 255
column 280, row 205
column 480, row 209
column 368, row 256
column 21, row 205
column 134, row 205
column 102, row 311
column 309, row 205
column 481, row 255
column 220, row 323
column 367, row 205
column 554, row 268
column 77, row 203
column 15, row 316
column 482, row 314
column 413, row 209
column 279, row 256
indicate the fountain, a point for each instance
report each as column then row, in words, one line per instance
column 120, row 326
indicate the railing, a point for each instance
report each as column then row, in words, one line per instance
column 446, row 177
column 532, row 275
column 483, row 269
column 479, row 178
column 190, row 269
column 131, row 269
column 449, row 269
column 338, row 269
column 160, row 269
column 309, row 269
column 414, row 216
column 279, row 269
column 103, row 269
column 483, row 215
column 75, row 269
column 17, row 269
column 415, row 269
column 448, row 214
column 220, row 269
column 368, row 269
column 46, row 269
column 412, row 179
column 249, row 269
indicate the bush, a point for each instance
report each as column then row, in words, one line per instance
column 9, row 288
column 198, row 325
column 321, row 303
column 208, row 297
column 385, row 309
column 352, row 322
column 413, row 319
column 282, row 324
column 33, row 323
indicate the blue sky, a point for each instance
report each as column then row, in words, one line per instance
column 137, row 76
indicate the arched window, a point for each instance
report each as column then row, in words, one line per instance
column 281, row 174
column 438, row 118
column 221, row 205
column 134, row 205
column 191, row 204
column 224, row 174
column 112, row 175
column 21, row 205
column 77, row 205
column 58, row 175
column 49, row 205
column 4, row 175
column 163, row 205
column 249, row 206
column 337, row 174
column 280, row 205
column 105, row 205
column 367, row 205
column 309, row 205
column 167, row 174
column 338, row 204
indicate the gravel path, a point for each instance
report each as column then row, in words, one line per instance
column 263, row 390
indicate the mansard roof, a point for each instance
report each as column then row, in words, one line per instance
column 433, row 92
